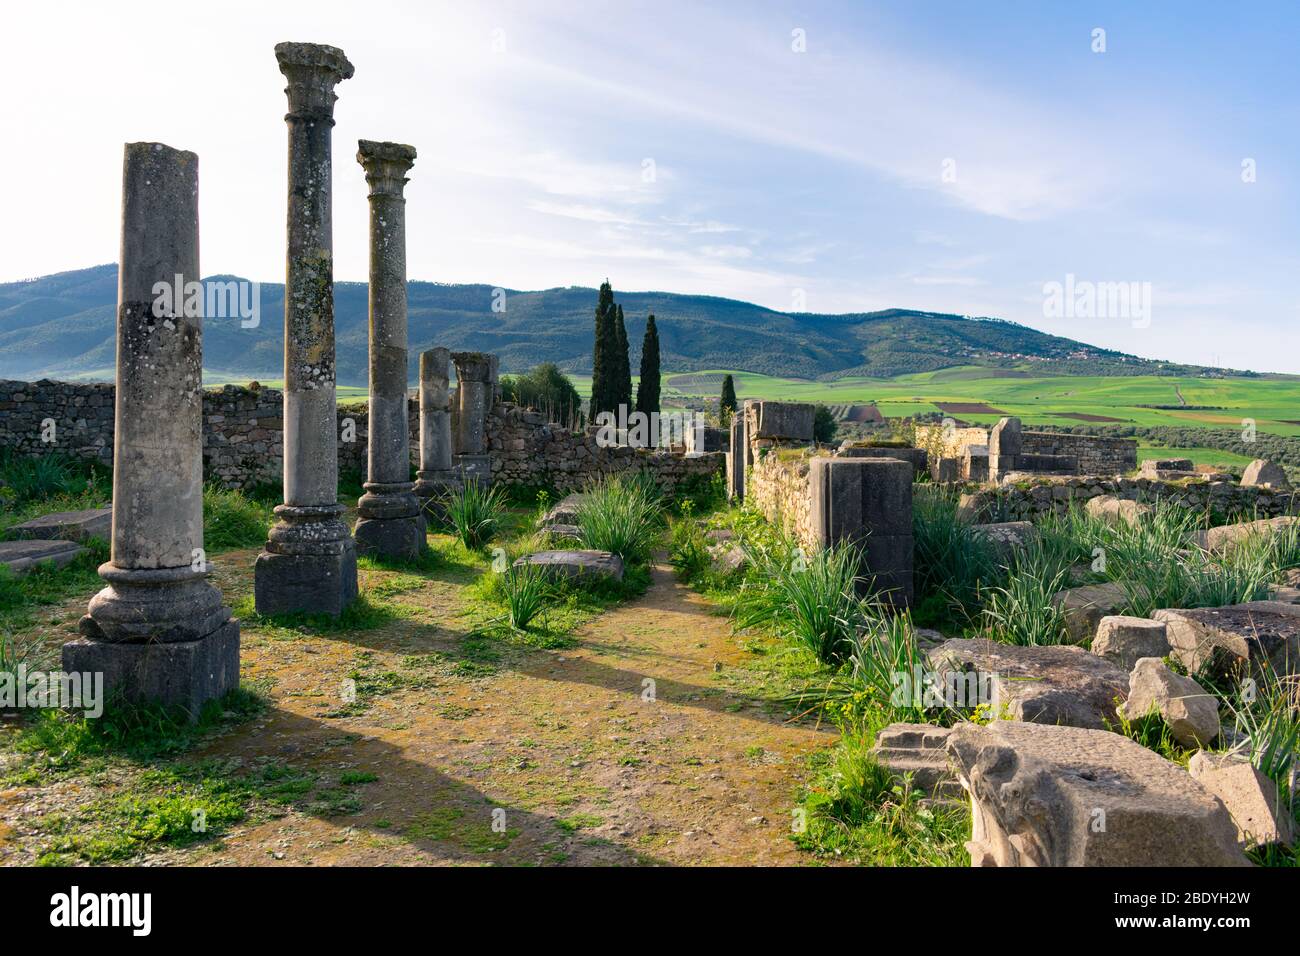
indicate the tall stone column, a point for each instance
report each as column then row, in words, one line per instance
column 391, row 524
column 474, row 401
column 310, row 560
column 158, row 631
column 435, row 475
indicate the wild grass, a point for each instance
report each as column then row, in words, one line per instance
column 475, row 513
column 527, row 591
column 622, row 515
column 1021, row 611
column 952, row 562
column 45, row 586
column 688, row 549
column 232, row 519
column 810, row 599
column 855, row 810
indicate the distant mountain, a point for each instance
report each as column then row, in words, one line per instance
column 62, row 326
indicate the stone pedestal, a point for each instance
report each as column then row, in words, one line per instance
column 436, row 476
column 158, row 631
column 1004, row 448
column 736, row 458
column 309, row 563
column 474, row 397
column 391, row 524
column 867, row 502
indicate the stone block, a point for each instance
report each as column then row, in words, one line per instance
column 1261, row 634
column 1256, row 804
column 1050, row 684
column 1044, row 795
column 1226, row 537
column 1115, row 511
column 867, row 502
column 1265, row 474
column 918, row 458
column 68, row 525
column 1125, row 640
column 573, row 564
column 782, row 421
column 21, row 556
column 397, row 539
column 1191, row 714
column 1007, row 537
column 919, row 751
column 185, row 674
column 305, row 583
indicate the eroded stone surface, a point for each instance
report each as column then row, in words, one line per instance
column 1265, row 474
column 1191, row 713
column 1114, row 510
column 1008, row 537
column 67, row 525
column 575, row 563
column 1252, row 799
column 1124, row 640
column 21, row 556
column 1228, row 536
column 1049, row 685
column 1065, row 796
column 919, row 750
column 1225, row 638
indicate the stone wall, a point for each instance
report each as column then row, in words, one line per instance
column 778, row 487
column 1093, row 454
column 527, row 450
column 243, row 447
column 1023, row 499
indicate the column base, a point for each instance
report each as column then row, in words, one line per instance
column 474, row 468
column 306, row 583
column 398, row 539
column 185, row 674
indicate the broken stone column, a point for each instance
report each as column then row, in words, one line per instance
column 1004, row 448
column 435, row 476
column 158, row 631
column 867, row 502
column 736, row 458
column 390, row 523
column 474, row 402
column 310, row 560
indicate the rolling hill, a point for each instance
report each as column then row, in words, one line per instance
column 62, row 326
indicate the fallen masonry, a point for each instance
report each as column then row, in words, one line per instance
column 1044, row 795
column 21, row 556
column 1225, row 638
column 919, row 752
column 1191, row 713
column 573, row 564
column 1124, row 640
column 68, row 525
column 1084, row 607
column 1049, row 685
column 1256, row 804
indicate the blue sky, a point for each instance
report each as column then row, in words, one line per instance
column 778, row 176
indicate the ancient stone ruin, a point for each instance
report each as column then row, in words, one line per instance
column 159, row 630
column 391, row 524
column 310, row 560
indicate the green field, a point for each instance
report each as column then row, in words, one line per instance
column 1272, row 401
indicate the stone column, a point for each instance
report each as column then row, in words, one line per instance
column 1004, row 448
column 474, row 402
column 158, row 631
column 390, row 524
column 310, row 561
column 435, row 475
column 867, row 502
column 736, row 457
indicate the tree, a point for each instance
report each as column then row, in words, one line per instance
column 602, row 353
column 727, row 404
column 548, row 390
column 824, row 425
column 647, row 390
column 622, row 363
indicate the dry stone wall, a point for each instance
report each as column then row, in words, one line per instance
column 243, row 437
column 1022, row 500
column 778, row 487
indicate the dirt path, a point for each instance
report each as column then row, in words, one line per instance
column 590, row 762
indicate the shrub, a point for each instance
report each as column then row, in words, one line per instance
column 474, row 513
column 688, row 551
column 1022, row 611
column 621, row 515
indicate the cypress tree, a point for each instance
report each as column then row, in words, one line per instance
column 727, row 404
column 647, row 391
column 624, row 394
column 601, row 353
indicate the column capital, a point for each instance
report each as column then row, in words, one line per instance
column 313, row 70
column 472, row 366
column 386, row 165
